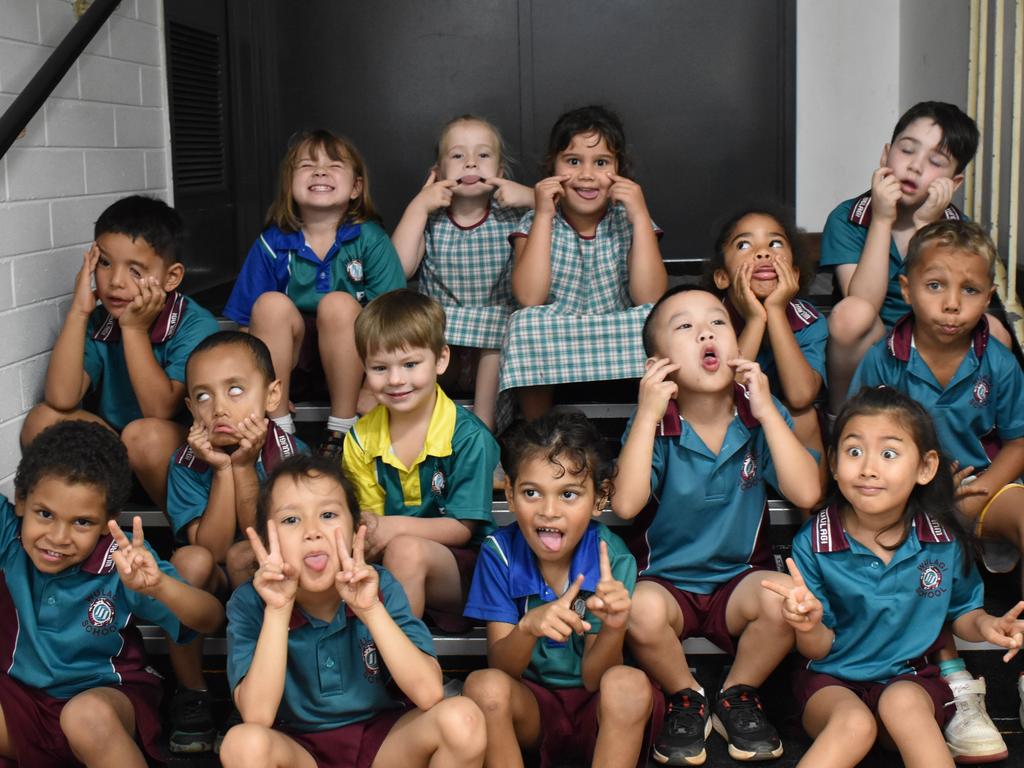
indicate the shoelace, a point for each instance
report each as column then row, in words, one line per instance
column 684, row 717
column 747, row 709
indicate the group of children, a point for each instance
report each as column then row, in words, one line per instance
column 329, row 560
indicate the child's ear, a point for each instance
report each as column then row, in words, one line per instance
column 509, row 494
column 604, row 498
column 443, row 359
column 927, row 468
column 357, row 189
column 173, row 276
column 273, row 395
column 721, row 278
column 188, row 404
column 19, row 506
column 958, row 181
column 905, row 288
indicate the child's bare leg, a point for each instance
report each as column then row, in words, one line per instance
column 240, row 563
column 623, row 709
column 853, row 326
column 150, row 444
column 755, row 616
column 6, row 748
column 807, row 429
column 427, row 572
column 843, row 729
column 335, row 326
column 485, row 395
column 255, row 746
column 998, row 330
column 100, row 728
column 534, row 402
column 511, row 715
column 43, row 416
column 448, row 735
column 196, row 566
column 276, row 321
column 655, row 625
column 908, row 715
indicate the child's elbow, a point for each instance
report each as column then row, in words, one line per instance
column 428, row 694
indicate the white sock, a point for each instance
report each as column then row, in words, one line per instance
column 338, row 424
column 962, row 674
column 286, row 423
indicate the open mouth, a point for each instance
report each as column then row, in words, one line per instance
column 551, row 539
column 470, row 179
column 709, row 360
column 588, row 193
column 320, row 188
column 316, row 561
column 908, row 187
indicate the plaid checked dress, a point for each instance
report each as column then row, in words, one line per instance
column 589, row 330
column 468, row 270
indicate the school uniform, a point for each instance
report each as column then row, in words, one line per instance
column 842, row 242
column 710, row 527
column 338, row 701
column 65, row 633
column 508, row 584
column 179, row 327
column 468, row 270
column 887, row 619
column 189, row 478
column 974, row 414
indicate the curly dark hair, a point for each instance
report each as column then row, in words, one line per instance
column 303, row 466
column 585, row 120
column 81, row 453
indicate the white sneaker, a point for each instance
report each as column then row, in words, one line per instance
column 971, row 735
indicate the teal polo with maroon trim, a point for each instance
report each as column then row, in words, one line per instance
column 67, row 632
column 189, row 478
column 361, row 262
column 334, row 675
column 507, row 583
column 711, row 522
column 842, row 242
column 451, row 477
column 181, row 325
column 885, row 616
column 980, row 408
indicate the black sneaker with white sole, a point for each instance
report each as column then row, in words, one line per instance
column 684, row 731
column 192, row 726
column 739, row 718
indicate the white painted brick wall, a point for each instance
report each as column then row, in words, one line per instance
column 102, row 134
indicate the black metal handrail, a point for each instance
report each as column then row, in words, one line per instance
column 39, row 88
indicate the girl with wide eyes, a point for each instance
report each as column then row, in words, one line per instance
column 877, row 576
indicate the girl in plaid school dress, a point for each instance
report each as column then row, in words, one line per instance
column 455, row 231
column 587, row 266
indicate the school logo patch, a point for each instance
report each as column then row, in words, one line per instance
column 931, row 578
column 437, row 483
column 980, row 392
column 748, row 470
column 355, row 270
column 101, row 613
column 579, row 605
column 371, row 660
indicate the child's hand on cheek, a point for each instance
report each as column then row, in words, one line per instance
column 885, row 194
column 135, row 564
column 84, row 298
column 940, row 194
column 510, row 194
column 556, row 620
column 275, row 581
column 759, row 396
column 787, row 287
column 436, row 194
column 357, row 583
column 199, row 442
column 253, row 430
column 746, row 303
column 547, row 192
column 629, row 193
column 145, row 307
column 611, row 601
column 801, row 610
column 655, row 389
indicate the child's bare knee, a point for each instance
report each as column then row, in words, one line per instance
column 272, row 307
column 195, row 564
column 461, row 726
column 148, row 442
column 240, row 562
column 491, row 689
column 38, row 419
column 850, row 321
column 406, row 555
column 903, row 702
column 336, row 308
column 625, row 694
column 246, row 745
column 90, row 722
column 857, row 724
column 648, row 617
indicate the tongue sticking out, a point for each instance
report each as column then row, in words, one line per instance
column 469, row 180
column 316, row 562
column 550, row 540
column 710, row 362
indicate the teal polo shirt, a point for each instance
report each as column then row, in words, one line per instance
column 361, row 262
column 181, row 325
column 980, row 408
column 451, row 477
column 189, row 478
column 334, row 674
column 711, row 522
column 67, row 632
column 884, row 616
column 842, row 242
column 507, row 583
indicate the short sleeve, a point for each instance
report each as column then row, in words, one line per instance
column 245, row 621
column 522, row 229
column 10, row 526
column 968, row 591
column 397, row 606
column 841, row 241
column 1010, row 397
column 362, row 474
column 188, row 493
column 659, row 455
column 813, row 341
column 489, row 594
column 807, row 561
column 474, row 457
column 623, row 563
column 871, row 369
column 197, row 324
column 154, row 611
column 256, row 278
column 382, row 270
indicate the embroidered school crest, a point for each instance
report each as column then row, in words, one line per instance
column 931, row 578
column 980, row 392
column 371, row 660
column 99, row 617
column 355, row 270
column 748, row 470
column 437, row 483
column 579, row 604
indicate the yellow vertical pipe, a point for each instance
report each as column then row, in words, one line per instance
column 972, row 101
column 979, row 164
column 997, row 121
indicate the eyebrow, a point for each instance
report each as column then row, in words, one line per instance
column 751, row 234
column 857, row 436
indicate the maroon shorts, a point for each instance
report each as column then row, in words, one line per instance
column 308, row 380
column 704, row 615
column 806, row 683
column 33, row 721
column 451, row 622
column 568, row 718
column 351, row 746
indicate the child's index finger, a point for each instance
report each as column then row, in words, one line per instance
column 774, row 586
column 138, row 539
column 118, row 535
column 431, row 178
column 1014, row 612
column 344, row 558
column 257, row 545
column 606, row 564
column 570, row 594
column 359, row 547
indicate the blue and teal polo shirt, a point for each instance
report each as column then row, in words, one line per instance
column 67, row 632
column 362, row 263
column 980, row 408
column 842, row 242
column 181, row 325
column 189, row 478
column 507, row 583
column 452, row 476
column 810, row 329
column 711, row 522
column 885, row 617
column 334, row 675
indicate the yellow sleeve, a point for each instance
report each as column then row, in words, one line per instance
column 363, row 476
